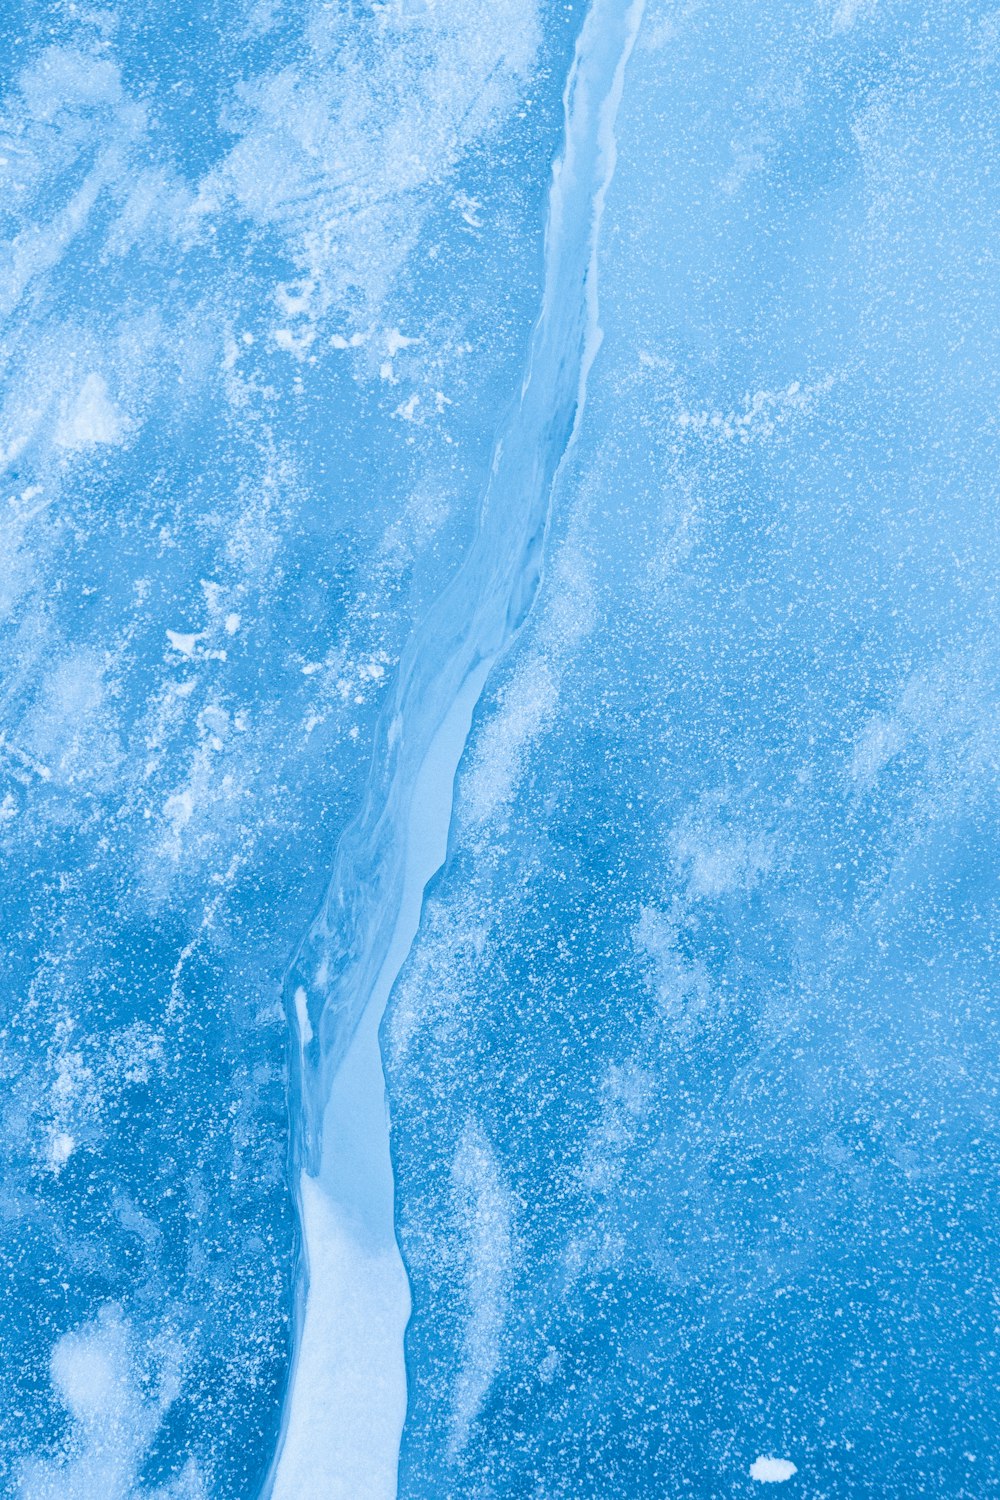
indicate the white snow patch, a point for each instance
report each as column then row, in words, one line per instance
column 342, row 150
column 179, row 809
column 61, row 1148
column 115, row 1415
column 414, row 526
column 718, row 856
column 772, row 1470
column 527, row 704
column 294, row 343
column 293, row 297
column 65, row 77
column 394, row 341
column 183, row 642
column 69, row 733
column 302, row 1017
column 485, row 1210
column 571, row 612
column 407, row 409
column 91, row 419
column 678, row 984
column 848, row 11
column 763, row 412
column 469, row 209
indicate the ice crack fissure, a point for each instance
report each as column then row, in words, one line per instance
column 347, row 1393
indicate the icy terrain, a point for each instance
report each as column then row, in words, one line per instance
column 501, row 749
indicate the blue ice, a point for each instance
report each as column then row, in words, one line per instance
column 500, row 730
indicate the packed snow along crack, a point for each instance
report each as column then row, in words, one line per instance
column 346, row 1365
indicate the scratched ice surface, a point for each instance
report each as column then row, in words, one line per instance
column 563, row 438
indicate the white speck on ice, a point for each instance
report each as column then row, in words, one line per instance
column 772, row 1470
column 179, row 808
column 293, row 343
column 407, row 409
column 183, row 643
column 469, row 209
column 232, row 624
column 294, row 297
column 394, row 341
column 61, row 1148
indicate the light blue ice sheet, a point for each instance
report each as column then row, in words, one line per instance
column 625, row 532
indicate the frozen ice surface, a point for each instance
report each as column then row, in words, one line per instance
column 499, row 569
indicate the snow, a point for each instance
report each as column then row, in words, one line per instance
column 94, row 1374
column 61, row 1148
column 772, row 1470
column 345, row 1421
column 185, row 642
column 485, row 1207
column 91, row 418
column 345, row 1410
column 302, row 1016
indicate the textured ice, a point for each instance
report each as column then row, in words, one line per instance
column 499, row 725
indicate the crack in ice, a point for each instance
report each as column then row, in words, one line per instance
column 346, row 1400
